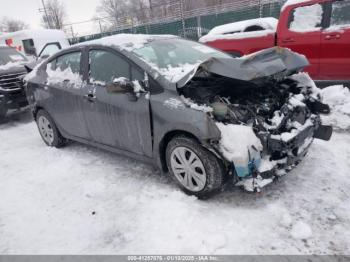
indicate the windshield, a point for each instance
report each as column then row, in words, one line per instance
column 10, row 55
column 174, row 58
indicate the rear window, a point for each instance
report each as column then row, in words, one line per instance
column 10, row 55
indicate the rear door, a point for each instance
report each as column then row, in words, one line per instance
column 335, row 43
column 303, row 34
column 65, row 97
column 116, row 120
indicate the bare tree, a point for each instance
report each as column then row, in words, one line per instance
column 11, row 25
column 54, row 15
column 112, row 11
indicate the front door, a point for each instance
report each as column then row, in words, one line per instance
column 64, row 104
column 335, row 43
column 304, row 35
column 116, row 119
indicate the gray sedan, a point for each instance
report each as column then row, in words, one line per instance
column 195, row 112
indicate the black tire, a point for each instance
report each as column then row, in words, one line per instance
column 58, row 140
column 215, row 172
column 3, row 111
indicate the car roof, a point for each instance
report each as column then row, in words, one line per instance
column 127, row 42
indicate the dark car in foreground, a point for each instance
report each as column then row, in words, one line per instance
column 12, row 72
column 193, row 111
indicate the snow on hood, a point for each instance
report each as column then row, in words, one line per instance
column 128, row 42
column 240, row 35
column 264, row 64
column 236, row 30
column 12, row 65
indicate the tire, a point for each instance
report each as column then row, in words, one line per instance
column 48, row 130
column 206, row 171
column 3, row 111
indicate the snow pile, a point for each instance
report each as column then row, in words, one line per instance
column 236, row 30
column 59, row 76
column 236, row 141
column 338, row 98
column 307, row 18
column 301, row 230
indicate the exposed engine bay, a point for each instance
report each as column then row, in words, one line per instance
column 284, row 115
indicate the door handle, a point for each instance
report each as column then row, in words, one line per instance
column 288, row 40
column 90, row 97
column 333, row 36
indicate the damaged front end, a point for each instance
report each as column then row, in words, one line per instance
column 267, row 122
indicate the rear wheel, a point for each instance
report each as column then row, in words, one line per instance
column 195, row 169
column 48, row 130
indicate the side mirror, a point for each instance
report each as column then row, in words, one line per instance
column 31, row 51
column 121, row 85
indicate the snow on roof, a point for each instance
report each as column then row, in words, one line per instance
column 36, row 33
column 236, row 30
column 243, row 35
column 127, row 42
column 293, row 2
column 267, row 23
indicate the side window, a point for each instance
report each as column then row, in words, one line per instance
column 106, row 66
column 306, row 18
column 340, row 14
column 28, row 46
column 71, row 60
column 136, row 74
column 50, row 49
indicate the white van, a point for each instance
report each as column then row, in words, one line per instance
column 38, row 43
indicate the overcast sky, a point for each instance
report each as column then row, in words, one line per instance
column 28, row 11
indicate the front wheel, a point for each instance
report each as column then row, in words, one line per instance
column 195, row 169
column 48, row 130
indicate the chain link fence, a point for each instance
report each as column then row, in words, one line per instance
column 173, row 18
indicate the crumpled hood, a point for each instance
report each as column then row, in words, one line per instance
column 275, row 62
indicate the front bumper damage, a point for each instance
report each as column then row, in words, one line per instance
column 280, row 157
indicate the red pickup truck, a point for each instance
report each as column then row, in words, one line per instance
column 319, row 29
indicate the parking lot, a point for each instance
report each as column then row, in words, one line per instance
column 81, row 200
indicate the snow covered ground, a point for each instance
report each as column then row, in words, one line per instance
column 81, row 200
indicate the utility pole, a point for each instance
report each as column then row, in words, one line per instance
column 183, row 17
column 46, row 15
column 260, row 8
column 99, row 23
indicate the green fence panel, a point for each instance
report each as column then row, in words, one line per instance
column 206, row 22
